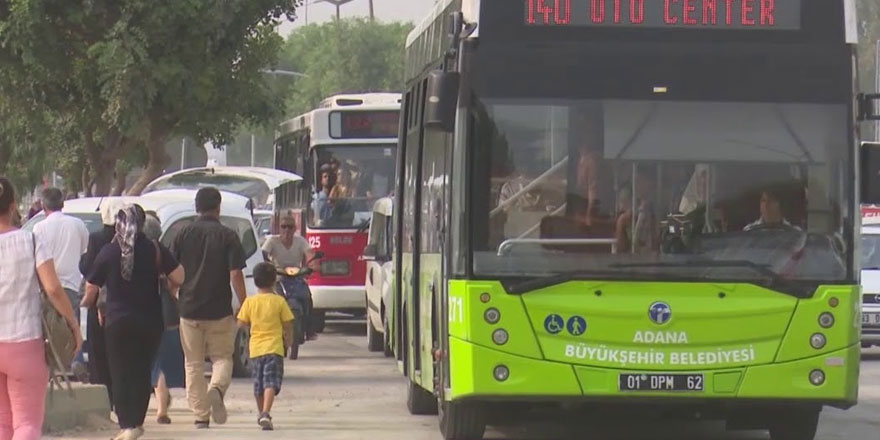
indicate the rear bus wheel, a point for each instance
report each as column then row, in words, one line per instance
column 797, row 424
column 461, row 421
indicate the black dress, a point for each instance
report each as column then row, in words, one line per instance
column 99, row 368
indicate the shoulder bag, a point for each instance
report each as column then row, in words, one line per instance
column 58, row 338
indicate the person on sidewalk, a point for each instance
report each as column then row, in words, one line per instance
column 168, row 369
column 26, row 263
column 99, row 367
column 271, row 324
column 131, row 267
column 67, row 239
column 213, row 256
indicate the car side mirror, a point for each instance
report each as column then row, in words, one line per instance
column 442, row 101
column 370, row 252
column 870, row 173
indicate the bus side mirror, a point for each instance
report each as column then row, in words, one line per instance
column 868, row 107
column 442, row 100
column 870, row 173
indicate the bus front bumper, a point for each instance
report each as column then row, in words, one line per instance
column 473, row 371
column 339, row 298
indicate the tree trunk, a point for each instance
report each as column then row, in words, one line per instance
column 158, row 160
column 86, row 182
column 119, row 186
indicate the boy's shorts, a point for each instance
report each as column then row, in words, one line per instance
column 268, row 371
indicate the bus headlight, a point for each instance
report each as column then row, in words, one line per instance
column 817, row 341
column 826, row 320
column 501, row 373
column 500, row 336
column 817, row 377
column 492, row 316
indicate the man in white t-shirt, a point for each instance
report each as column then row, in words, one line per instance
column 291, row 250
column 67, row 240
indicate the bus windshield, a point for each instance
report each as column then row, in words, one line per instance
column 688, row 190
column 349, row 179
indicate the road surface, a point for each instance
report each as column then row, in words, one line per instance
column 339, row 391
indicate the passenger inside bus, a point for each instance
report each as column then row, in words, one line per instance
column 630, row 182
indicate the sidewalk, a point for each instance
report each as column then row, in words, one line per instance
column 335, row 391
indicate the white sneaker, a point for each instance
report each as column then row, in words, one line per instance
column 136, row 433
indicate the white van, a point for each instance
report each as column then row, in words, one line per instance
column 176, row 209
column 870, row 281
column 380, row 276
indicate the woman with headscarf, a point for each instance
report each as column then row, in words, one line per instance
column 130, row 267
column 99, row 368
column 168, row 368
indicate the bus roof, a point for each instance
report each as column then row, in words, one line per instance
column 360, row 100
column 469, row 8
column 317, row 122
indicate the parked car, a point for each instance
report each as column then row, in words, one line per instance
column 176, row 209
column 870, row 281
column 380, row 276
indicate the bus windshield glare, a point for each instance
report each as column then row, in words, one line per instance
column 349, row 179
column 683, row 189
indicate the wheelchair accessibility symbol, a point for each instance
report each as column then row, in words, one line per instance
column 554, row 324
column 576, row 325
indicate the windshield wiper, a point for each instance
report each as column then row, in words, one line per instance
column 762, row 269
column 537, row 283
column 364, row 226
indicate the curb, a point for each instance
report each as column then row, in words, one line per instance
column 88, row 406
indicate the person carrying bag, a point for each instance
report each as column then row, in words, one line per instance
column 25, row 329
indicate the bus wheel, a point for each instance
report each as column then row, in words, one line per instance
column 419, row 401
column 461, row 421
column 241, row 356
column 374, row 338
column 319, row 321
column 798, row 424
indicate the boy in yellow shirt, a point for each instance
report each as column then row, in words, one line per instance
column 271, row 323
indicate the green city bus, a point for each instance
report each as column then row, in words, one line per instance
column 634, row 205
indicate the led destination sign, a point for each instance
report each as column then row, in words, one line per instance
column 687, row 14
column 364, row 124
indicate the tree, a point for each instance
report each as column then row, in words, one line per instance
column 115, row 79
column 351, row 55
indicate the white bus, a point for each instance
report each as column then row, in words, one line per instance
column 346, row 151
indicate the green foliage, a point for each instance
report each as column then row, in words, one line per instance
column 351, row 55
column 114, row 79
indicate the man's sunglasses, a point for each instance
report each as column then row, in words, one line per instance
column 286, row 226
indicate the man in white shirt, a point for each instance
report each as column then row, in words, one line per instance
column 67, row 240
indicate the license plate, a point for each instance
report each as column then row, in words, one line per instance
column 871, row 318
column 661, row 382
column 334, row 268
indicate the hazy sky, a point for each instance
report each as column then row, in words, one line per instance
column 385, row 10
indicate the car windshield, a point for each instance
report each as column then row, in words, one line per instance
column 871, row 251
column 241, row 227
column 92, row 221
column 349, row 179
column 688, row 190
